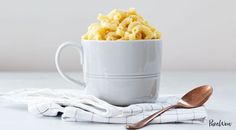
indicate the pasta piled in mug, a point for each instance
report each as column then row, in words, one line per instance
column 121, row 25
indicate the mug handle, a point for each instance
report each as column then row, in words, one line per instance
column 78, row 47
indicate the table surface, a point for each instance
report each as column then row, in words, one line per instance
column 221, row 105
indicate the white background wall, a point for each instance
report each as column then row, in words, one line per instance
column 197, row 34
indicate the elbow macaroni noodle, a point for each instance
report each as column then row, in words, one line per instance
column 121, row 25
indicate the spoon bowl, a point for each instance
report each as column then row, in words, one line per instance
column 195, row 97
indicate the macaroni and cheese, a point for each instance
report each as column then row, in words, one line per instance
column 121, row 25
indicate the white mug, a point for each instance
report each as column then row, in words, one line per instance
column 119, row 72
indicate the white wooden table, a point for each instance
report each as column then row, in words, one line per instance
column 221, row 105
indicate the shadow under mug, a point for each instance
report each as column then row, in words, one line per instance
column 119, row 72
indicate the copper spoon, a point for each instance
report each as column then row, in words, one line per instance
column 192, row 99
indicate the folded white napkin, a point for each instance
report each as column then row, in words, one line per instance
column 74, row 105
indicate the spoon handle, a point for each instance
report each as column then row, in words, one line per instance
column 148, row 119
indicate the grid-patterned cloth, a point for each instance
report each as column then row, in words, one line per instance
column 74, row 105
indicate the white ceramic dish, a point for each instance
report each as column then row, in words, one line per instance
column 120, row 72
